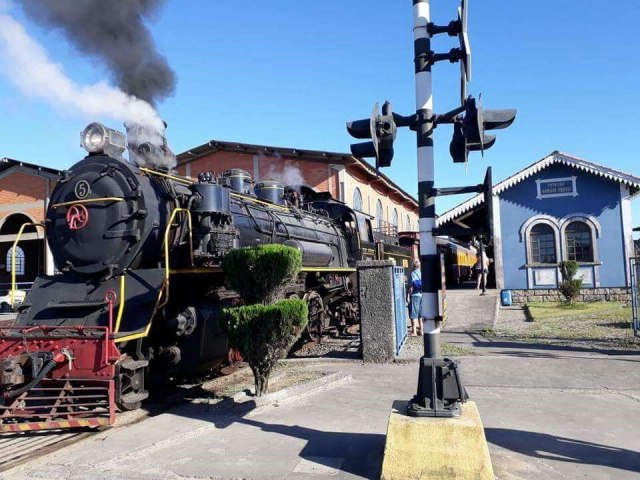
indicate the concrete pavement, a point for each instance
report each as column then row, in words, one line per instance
column 548, row 413
column 467, row 310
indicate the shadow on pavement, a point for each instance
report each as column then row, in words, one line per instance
column 521, row 348
column 355, row 453
column 562, row 449
column 546, row 347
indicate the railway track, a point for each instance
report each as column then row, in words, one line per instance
column 21, row 447
column 17, row 448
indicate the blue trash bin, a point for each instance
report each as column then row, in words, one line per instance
column 505, row 296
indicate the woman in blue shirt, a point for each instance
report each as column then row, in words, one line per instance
column 414, row 299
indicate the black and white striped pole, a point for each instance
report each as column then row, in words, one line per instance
column 440, row 388
column 430, row 265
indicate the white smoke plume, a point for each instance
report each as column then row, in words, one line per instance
column 27, row 65
column 287, row 173
column 115, row 32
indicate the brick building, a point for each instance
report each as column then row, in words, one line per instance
column 346, row 177
column 24, row 192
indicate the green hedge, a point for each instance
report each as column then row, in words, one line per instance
column 264, row 333
column 259, row 274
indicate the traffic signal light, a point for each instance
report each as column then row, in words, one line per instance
column 381, row 129
column 469, row 132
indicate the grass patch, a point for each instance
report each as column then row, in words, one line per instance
column 540, row 311
column 451, row 350
column 605, row 323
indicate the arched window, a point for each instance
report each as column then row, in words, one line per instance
column 394, row 218
column 579, row 242
column 379, row 214
column 407, row 224
column 543, row 244
column 13, row 222
column 357, row 199
column 19, row 261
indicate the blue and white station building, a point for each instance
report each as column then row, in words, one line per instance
column 559, row 208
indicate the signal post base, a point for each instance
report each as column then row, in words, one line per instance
column 436, row 448
column 440, row 389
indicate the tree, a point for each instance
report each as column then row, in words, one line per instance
column 570, row 286
column 264, row 329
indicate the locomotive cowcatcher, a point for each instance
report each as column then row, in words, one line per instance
column 139, row 287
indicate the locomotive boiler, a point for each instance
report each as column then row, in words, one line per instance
column 139, row 288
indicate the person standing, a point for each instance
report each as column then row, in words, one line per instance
column 414, row 298
column 481, row 268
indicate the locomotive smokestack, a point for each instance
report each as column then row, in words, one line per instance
column 148, row 146
column 116, row 33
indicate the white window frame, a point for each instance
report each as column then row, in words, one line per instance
column 593, row 225
column 525, row 232
column 379, row 214
column 356, row 191
column 20, row 260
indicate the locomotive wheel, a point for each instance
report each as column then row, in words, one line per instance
column 131, row 379
column 315, row 324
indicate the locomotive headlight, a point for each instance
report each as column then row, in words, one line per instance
column 96, row 138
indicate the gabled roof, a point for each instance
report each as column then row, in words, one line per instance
column 7, row 163
column 219, row 146
column 555, row 157
column 214, row 146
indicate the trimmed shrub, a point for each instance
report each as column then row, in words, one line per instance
column 259, row 274
column 570, row 286
column 264, row 334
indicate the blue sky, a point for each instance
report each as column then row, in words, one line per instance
column 292, row 72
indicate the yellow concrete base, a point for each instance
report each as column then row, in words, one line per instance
column 436, row 448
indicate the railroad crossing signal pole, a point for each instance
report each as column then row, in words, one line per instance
column 430, row 268
column 440, row 389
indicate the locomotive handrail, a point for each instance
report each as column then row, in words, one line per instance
column 121, row 306
column 89, row 200
column 166, row 175
column 251, row 199
column 13, row 258
column 175, row 211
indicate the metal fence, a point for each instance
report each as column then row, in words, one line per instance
column 635, row 295
column 400, row 307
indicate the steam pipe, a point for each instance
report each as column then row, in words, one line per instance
column 46, row 369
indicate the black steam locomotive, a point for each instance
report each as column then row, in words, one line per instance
column 139, row 288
